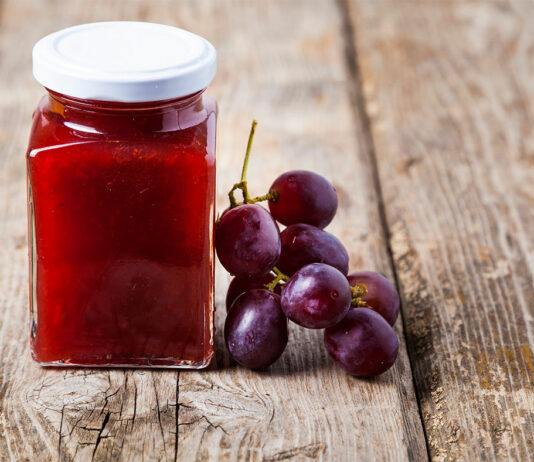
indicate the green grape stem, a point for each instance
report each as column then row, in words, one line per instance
column 279, row 278
column 358, row 303
column 270, row 196
column 247, row 153
column 358, row 292
column 242, row 185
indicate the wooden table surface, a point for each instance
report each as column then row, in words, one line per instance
column 422, row 114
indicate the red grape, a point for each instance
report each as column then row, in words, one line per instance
column 316, row 296
column 247, row 241
column 239, row 285
column 381, row 295
column 255, row 331
column 363, row 343
column 303, row 197
column 304, row 244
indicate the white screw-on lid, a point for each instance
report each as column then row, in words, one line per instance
column 124, row 61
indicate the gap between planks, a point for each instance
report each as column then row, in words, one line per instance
column 362, row 118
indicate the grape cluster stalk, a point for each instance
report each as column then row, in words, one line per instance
column 301, row 275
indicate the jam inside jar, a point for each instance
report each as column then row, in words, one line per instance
column 121, row 212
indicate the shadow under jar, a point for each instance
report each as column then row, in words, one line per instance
column 121, row 186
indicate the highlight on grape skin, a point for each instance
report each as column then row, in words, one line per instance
column 380, row 294
column 255, row 331
column 363, row 343
column 316, row 296
column 247, row 241
column 303, row 244
column 301, row 196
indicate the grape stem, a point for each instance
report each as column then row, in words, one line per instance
column 358, row 303
column 279, row 277
column 270, row 196
column 282, row 276
column 242, row 185
column 357, row 293
column 247, row 154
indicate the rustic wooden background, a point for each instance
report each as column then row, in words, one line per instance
column 422, row 114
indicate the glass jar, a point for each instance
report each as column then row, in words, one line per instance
column 121, row 189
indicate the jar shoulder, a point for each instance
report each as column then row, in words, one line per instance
column 59, row 126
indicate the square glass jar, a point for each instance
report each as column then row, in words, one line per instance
column 121, row 214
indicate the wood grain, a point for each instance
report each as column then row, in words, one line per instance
column 450, row 96
column 285, row 63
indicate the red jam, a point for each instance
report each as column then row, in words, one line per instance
column 121, row 212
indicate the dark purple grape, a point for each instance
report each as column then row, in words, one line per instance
column 255, row 331
column 303, row 197
column 381, row 295
column 241, row 285
column 363, row 343
column 304, row 244
column 316, row 296
column 247, row 241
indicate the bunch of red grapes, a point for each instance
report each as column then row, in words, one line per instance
column 300, row 274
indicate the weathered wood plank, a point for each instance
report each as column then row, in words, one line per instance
column 282, row 62
column 448, row 87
